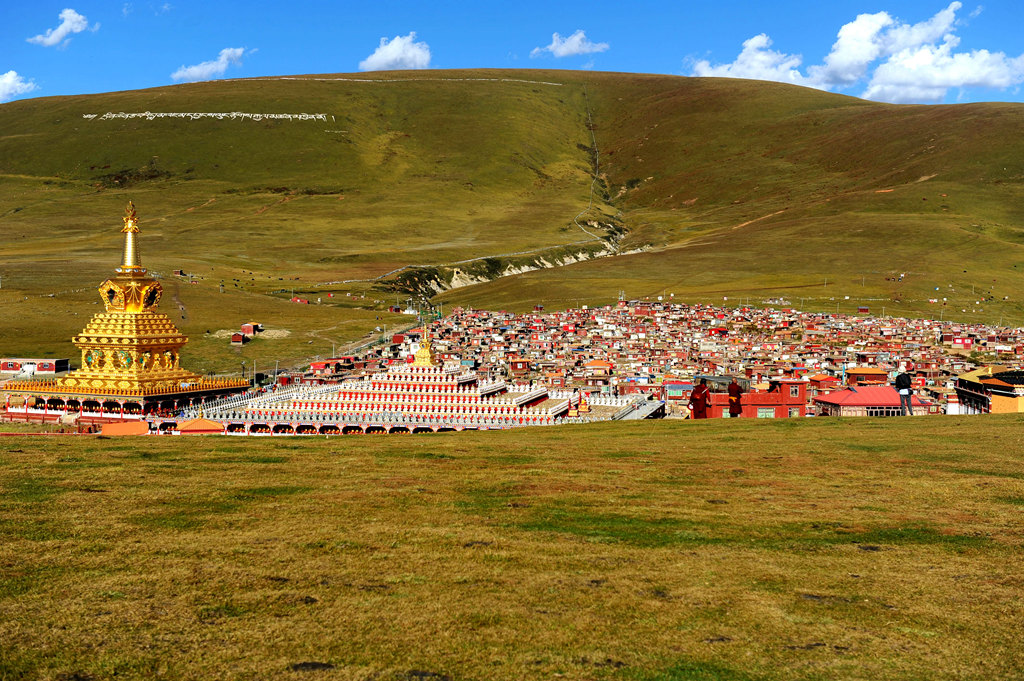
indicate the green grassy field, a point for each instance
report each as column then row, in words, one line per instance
column 734, row 189
column 814, row 549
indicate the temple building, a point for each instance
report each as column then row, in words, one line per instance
column 129, row 354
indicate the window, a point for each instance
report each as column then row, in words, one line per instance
column 794, row 391
column 766, row 412
column 883, row 411
column 794, row 412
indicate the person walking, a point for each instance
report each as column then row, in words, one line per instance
column 902, row 384
column 700, row 400
column 735, row 399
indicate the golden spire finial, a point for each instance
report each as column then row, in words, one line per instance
column 131, row 219
column 131, row 261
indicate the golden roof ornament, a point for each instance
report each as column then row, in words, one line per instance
column 131, row 219
column 131, row 261
column 131, row 290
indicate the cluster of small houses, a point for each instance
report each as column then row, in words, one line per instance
column 246, row 333
column 789, row 363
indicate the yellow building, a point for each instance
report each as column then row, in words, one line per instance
column 991, row 390
column 129, row 354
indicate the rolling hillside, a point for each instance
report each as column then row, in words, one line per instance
column 721, row 188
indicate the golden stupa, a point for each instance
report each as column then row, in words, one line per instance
column 424, row 356
column 130, row 350
column 130, row 346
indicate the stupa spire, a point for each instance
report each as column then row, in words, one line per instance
column 424, row 357
column 130, row 261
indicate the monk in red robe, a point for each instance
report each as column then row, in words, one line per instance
column 700, row 400
column 735, row 400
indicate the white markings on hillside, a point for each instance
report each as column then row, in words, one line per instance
column 217, row 115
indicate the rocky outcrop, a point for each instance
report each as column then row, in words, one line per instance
column 429, row 281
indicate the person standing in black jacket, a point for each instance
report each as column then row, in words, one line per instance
column 906, row 394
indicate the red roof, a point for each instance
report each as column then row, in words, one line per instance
column 200, row 425
column 866, row 370
column 867, row 396
column 126, row 428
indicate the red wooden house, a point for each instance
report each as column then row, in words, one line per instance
column 785, row 398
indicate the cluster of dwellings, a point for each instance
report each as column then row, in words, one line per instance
column 246, row 333
column 789, row 363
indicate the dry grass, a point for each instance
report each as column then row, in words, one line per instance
column 739, row 550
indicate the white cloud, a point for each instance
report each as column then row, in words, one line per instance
column 70, row 22
column 12, row 85
column 401, row 52
column 925, row 73
column 858, row 45
column 575, row 44
column 757, row 61
column 902, row 36
column 906, row 62
column 210, row 69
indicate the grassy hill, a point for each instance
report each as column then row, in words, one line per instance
column 730, row 188
column 760, row 189
column 671, row 551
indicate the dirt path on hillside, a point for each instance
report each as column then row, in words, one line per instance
column 763, row 217
column 177, row 301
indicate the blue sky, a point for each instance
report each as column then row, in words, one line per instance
column 905, row 51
